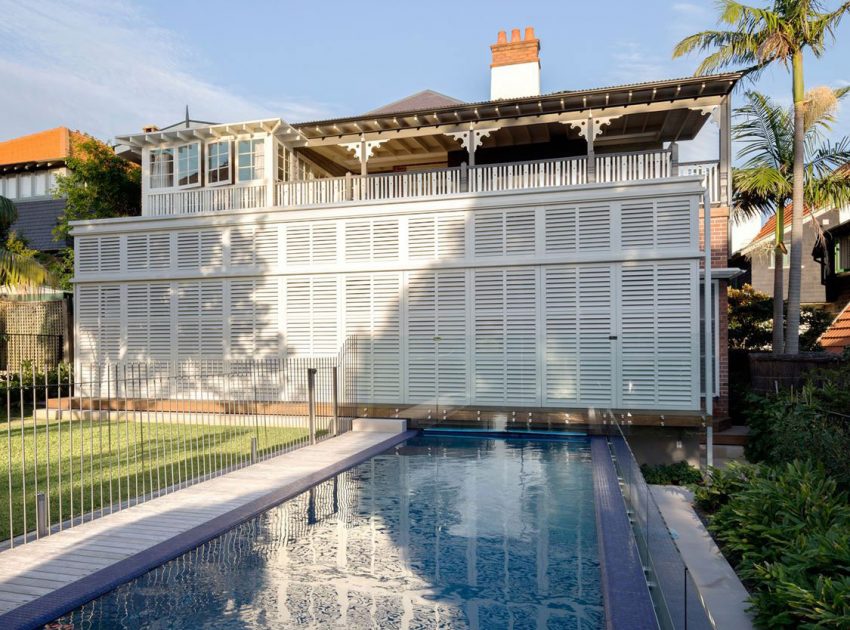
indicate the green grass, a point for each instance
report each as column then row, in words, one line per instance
column 104, row 462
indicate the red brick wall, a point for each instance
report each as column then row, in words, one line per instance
column 506, row 53
column 720, row 259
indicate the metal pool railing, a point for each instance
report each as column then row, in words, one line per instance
column 79, row 444
column 675, row 596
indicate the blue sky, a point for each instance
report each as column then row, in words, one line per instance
column 109, row 68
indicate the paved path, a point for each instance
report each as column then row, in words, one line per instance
column 724, row 595
column 75, row 565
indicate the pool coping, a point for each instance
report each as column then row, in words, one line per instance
column 625, row 592
column 51, row 606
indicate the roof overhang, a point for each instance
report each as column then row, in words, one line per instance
column 39, row 165
column 285, row 132
column 722, row 273
column 610, row 101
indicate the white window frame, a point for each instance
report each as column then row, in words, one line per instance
column 715, row 330
column 771, row 260
column 230, row 164
column 200, row 181
column 254, row 164
column 151, row 163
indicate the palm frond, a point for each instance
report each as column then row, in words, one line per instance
column 17, row 270
column 8, row 213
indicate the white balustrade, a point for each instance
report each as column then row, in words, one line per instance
column 560, row 172
column 627, row 167
column 206, row 200
column 520, row 175
column 709, row 169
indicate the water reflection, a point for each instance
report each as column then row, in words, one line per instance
column 440, row 533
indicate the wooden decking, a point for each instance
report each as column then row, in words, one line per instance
column 40, row 580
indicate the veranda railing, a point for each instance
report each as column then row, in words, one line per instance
column 80, row 444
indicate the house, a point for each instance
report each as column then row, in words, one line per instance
column 28, row 169
column 826, row 257
column 530, row 258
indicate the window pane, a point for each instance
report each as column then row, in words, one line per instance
column 162, row 168
column 189, row 164
column 218, row 162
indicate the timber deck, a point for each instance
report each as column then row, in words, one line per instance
column 42, row 580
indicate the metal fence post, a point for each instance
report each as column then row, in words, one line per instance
column 254, row 449
column 311, row 402
column 40, row 515
column 335, row 401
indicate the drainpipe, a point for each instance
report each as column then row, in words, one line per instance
column 709, row 346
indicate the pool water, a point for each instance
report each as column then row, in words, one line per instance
column 438, row 532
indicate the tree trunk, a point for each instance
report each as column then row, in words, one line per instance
column 778, row 297
column 792, row 326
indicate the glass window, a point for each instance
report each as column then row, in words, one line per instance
column 250, row 158
column 25, row 189
column 282, row 163
column 714, row 337
column 189, row 164
column 162, row 168
column 771, row 260
column 218, row 162
column 842, row 254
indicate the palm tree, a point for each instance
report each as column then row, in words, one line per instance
column 760, row 37
column 17, row 270
column 765, row 183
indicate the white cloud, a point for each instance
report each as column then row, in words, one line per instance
column 630, row 64
column 107, row 68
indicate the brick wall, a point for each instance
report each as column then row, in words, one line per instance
column 720, row 259
column 506, row 53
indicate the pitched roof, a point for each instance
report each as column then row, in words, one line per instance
column 768, row 229
column 837, row 336
column 53, row 144
column 426, row 99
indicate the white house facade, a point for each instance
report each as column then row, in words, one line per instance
column 532, row 254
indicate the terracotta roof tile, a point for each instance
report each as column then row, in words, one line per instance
column 837, row 336
column 53, row 144
column 768, row 228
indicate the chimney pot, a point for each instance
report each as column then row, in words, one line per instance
column 502, row 38
column 529, row 32
column 515, row 69
column 515, row 35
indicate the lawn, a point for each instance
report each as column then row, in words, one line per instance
column 85, row 466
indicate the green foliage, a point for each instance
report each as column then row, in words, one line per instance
column 61, row 268
column 99, row 185
column 787, row 531
column 809, row 423
column 751, row 321
column 722, row 484
column 17, row 266
column 678, row 474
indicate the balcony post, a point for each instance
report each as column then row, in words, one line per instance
column 725, row 133
column 674, row 159
column 464, row 177
column 364, row 157
column 591, row 155
column 349, row 193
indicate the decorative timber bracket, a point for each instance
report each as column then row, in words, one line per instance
column 589, row 128
column 471, row 139
column 368, row 145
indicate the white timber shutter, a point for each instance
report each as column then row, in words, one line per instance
column 372, row 326
column 308, row 243
column 659, row 353
column 509, row 233
column 98, row 254
column 200, row 320
column 99, row 323
column 437, row 361
column 371, row 240
column 650, row 224
column 147, row 252
column 200, row 250
column 311, row 320
column 441, row 237
column 254, row 319
column 253, row 246
column 505, row 332
column 561, row 342
column 595, row 320
column 148, row 335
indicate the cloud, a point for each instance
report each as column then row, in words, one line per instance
column 107, row 68
column 631, row 64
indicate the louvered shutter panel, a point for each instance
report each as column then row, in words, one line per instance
column 561, row 230
column 188, row 250
column 595, row 349
column 137, row 252
column 372, row 323
column 437, row 369
column 200, row 315
column 266, row 246
column 159, row 251
column 323, row 242
column 594, row 227
column 519, row 233
column 242, row 246
column 561, row 360
column 253, row 319
column 371, row 239
column 110, row 323
column 88, row 323
column 357, row 241
column 148, row 333
column 451, row 236
column 148, row 251
column 442, row 237
column 298, row 244
column 212, row 252
column 87, row 253
column 311, row 315
column 658, row 332
column 421, row 238
column 489, row 234
column 673, row 223
column 110, row 253
column 505, row 329
column 637, row 224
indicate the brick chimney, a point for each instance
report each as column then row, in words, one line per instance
column 515, row 70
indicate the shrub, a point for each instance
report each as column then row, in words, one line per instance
column 678, row 474
column 723, row 483
column 787, row 530
column 805, row 424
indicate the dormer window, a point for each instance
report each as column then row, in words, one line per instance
column 189, row 165
column 162, row 168
column 250, row 156
column 218, row 163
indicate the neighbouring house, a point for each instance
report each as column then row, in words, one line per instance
column 826, row 257
column 28, row 169
column 533, row 257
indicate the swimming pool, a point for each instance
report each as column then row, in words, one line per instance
column 438, row 532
